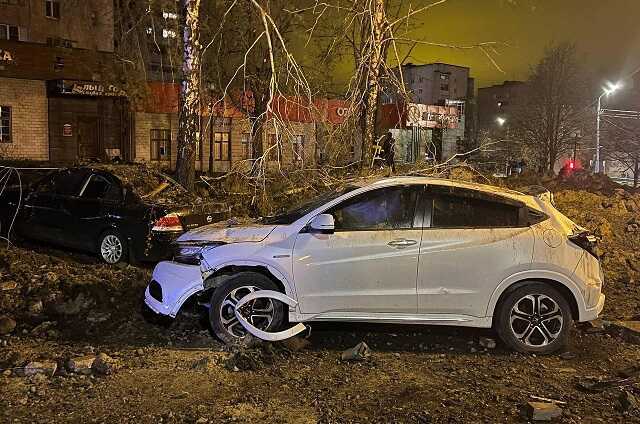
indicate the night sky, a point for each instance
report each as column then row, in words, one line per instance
column 607, row 33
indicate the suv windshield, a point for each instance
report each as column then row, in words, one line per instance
column 292, row 215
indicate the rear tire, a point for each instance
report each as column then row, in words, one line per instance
column 534, row 318
column 112, row 247
column 269, row 314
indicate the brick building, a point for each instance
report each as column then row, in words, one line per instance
column 52, row 103
column 57, row 104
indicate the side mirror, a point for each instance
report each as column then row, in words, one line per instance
column 322, row 224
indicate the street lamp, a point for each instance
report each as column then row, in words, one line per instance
column 612, row 88
column 501, row 121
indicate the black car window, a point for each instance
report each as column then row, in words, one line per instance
column 451, row 211
column 391, row 208
column 96, row 188
column 66, row 182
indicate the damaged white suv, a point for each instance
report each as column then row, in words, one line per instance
column 402, row 250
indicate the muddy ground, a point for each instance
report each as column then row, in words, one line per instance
column 67, row 305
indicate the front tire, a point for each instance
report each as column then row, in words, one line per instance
column 534, row 318
column 112, row 247
column 265, row 314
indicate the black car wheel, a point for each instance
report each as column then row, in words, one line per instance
column 534, row 318
column 112, row 247
column 265, row 314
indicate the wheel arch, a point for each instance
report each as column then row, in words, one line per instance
column 567, row 288
column 220, row 274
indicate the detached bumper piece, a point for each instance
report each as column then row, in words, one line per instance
column 266, row 335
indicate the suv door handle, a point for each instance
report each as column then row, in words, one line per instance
column 401, row 243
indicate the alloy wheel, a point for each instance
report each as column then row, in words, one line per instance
column 111, row 249
column 536, row 320
column 259, row 312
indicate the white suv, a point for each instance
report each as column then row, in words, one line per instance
column 401, row 250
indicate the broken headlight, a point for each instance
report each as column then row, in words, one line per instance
column 191, row 252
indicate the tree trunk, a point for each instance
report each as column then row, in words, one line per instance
column 373, row 82
column 189, row 119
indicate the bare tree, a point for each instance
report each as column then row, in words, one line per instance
column 189, row 118
column 555, row 106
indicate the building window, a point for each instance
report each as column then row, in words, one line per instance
column 275, row 148
column 221, row 146
column 160, row 144
column 5, row 124
column 9, row 32
column 52, row 9
column 247, row 146
column 298, row 148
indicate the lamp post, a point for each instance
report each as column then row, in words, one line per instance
column 607, row 92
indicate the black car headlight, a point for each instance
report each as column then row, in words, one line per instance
column 191, row 252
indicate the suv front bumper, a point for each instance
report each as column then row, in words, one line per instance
column 593, row 313
column 171, row 285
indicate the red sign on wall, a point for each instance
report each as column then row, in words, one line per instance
column 67, row 130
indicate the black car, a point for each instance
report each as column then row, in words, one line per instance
column 92, row 210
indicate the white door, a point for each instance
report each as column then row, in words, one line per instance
column 470, row 246
column 370, row 263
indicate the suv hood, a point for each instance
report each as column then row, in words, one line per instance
column 221, row 232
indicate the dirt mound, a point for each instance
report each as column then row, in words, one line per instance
column 42, row 290
column 615, row 219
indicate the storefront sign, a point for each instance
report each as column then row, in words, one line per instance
column 429, row 116
column 6, row 56
column 81, row 88
column 67, row 130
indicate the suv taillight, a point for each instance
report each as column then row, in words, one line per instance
column 169, row 222
column 587, row 241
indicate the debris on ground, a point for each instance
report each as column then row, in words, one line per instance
column 628, row 402
column 47, row 368
column 103, row 364
column 81, row 364
column 628, row 330
column 543, row 411
column 359, row 352
column 7, row 325
column 487, row 343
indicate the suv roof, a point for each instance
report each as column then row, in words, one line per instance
column 454, row 183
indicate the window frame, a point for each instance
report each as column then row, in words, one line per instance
column 6, row 31
column 435, row 190
column 215, row 142
column 10, row 130
column 54, row 6
column 247, row 146
column 418, row 212
column 153, row 140
column 298, row 140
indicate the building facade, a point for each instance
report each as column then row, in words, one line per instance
column 440, row 85
column 53, row 104
column 496, row 103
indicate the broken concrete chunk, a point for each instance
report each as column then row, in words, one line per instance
column 543, row 411
column 359, row 352
column 81, row 364
column 487, row 343
column 103, row 364
column 7, row 325
column 628, row 402
column 47, row 368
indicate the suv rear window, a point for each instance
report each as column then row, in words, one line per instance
column 450, row 211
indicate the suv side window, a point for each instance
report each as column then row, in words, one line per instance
column 391, row 208
column 451, row 211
